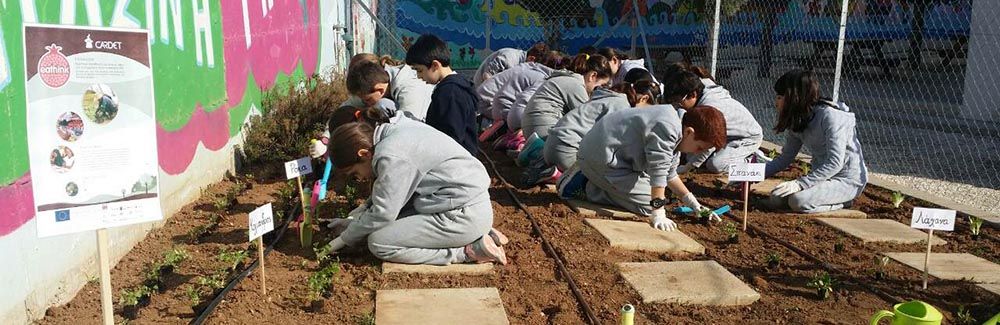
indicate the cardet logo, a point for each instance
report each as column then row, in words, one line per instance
column 101, row 45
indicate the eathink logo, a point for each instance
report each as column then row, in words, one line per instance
column 89, row 42
column 53, row 67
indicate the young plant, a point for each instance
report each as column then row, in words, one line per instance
column 773, row 260
column 212, row 283
column 964, row 316
column 196, row 233
column 365, row 319
column 823, row 284
column 975, row 226
column 704, row 216
column 233, row 259
column 221, row 204
column 193, row 295
column 773, row 153
column 322, row 252
column 132, row 297
column 732, row 234
column 350, row 192
column 805, row 167
column 838, row 247
column 880, row 263
column 897, row 199
column 174, row 257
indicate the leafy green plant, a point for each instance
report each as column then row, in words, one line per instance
column 975, row 226
column 319, row 282
column 773, row 260
column 196, row 233
column 211, row 283
column 350, row 192
column 174, row 257
column 193, row 295
column 824, row 285
column 131, row 297
column 232, row 258
column 773, row 153
column 897, row 199
column 732, row 234
column 805, row 167
column 322, row 251
column 964, row 316
column 221, row 204
column 364, row 319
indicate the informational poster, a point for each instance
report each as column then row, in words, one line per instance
column 91, row 127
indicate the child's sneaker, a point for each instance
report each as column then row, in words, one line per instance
column 572, row 182
column 498, row 237
column 533, row 147
column 485, row 250
column 493, row 131
column 540, row 173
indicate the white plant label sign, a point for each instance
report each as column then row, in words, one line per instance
column 936, row 219
column 747, row 172
column 298, row 167
column 261, row 221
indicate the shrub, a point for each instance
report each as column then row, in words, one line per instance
column 232, row 258
column 293, row 114
column 823, row 284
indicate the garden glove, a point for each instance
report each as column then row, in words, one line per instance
column 338, row 225
column 354, row 214
column 660, row 221
column 683, row 169
column 318, row 147
column 786, row 189
column 336, row 245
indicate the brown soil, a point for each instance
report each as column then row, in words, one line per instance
column 531, row 287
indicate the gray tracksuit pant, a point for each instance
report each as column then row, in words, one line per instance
column 562, row 92
column 838, row 173
column 564, row 138
column 429, row 199
column 627, row 153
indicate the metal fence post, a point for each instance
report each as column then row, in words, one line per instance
column 715, row 37
column 839, row 71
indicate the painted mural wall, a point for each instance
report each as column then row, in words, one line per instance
column 211, row 60
column 572, row 24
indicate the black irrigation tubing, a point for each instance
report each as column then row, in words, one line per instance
column 236, row 280
column 827, row 266
column 549, row 249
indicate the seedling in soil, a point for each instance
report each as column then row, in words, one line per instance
column 964, row 316
column 322, row 252
column 366, row 319
column 897, row 199
column 880, row 263
column 975, row 226
column 133, row 299
column 805, row 167
column 773, row 153
column 221, row 204
column 173, row 258
column 319, row 286
column 838, row 247
column 350, row 192
column 773, row 260
column 193, row 295
column 732, row 234
column 823, row 284
column 719, row 184
column 196, row 233
column 704, row 216
column 233, row 259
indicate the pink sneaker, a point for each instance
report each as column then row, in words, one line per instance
column 485, row 250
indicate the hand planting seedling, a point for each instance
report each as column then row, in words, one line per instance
column 233, row 259
column 880, row 263
column 975, row 226
column 897, row 199
column 704, row 216
column 732, row 234
column 823, row 284
column 773, row 260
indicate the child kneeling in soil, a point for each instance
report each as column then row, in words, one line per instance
column 828, row 130
column 430, row 202
column 631, row 157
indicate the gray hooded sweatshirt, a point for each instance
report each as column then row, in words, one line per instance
column 629, row 152
column 831, row 137
column 419, row 168
column 409, row 92
column 564, row 138
column 525, row 75
column 743, row 134
column 562, row 92
column 497, row 62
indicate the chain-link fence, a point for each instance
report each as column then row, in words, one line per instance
column 920, row 74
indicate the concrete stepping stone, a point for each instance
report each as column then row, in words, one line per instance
column 481, row 306
column 688, row 283
column 842, row 213
column 484, row 268
column 593, row 209
column 879, row 230
column 641, row 237
column 952, row 266
column 991, row 287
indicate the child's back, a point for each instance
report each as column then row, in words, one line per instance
column 453, row 110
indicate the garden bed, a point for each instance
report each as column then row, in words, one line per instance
column 531, row 288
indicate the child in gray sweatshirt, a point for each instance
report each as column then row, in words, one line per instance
column 497, row 62
column 631, row 157
column 692, row 86
column 564, row 91
column 638, row 89
column 430, row 202
column 828, row 130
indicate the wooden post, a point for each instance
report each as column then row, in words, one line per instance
column 927, row 258
column 107, row 309
column 260, row 257
column 746, row 202
column 302, row 194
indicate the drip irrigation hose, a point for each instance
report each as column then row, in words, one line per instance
column 236, row 280
column 549, row 249
column 827, row 266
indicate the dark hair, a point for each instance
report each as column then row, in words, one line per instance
column 364, row 75
column 361, row 58
column 679, row 81
column 345, row 141
column 708, row 125
column 349, row 114
column 552, row 59
column 588, row 50
column 638, row 82
column 427, row 49
column 612, row 53
column 389, row 60
column 538, row 51
column 585, row 63
column 800, row 90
